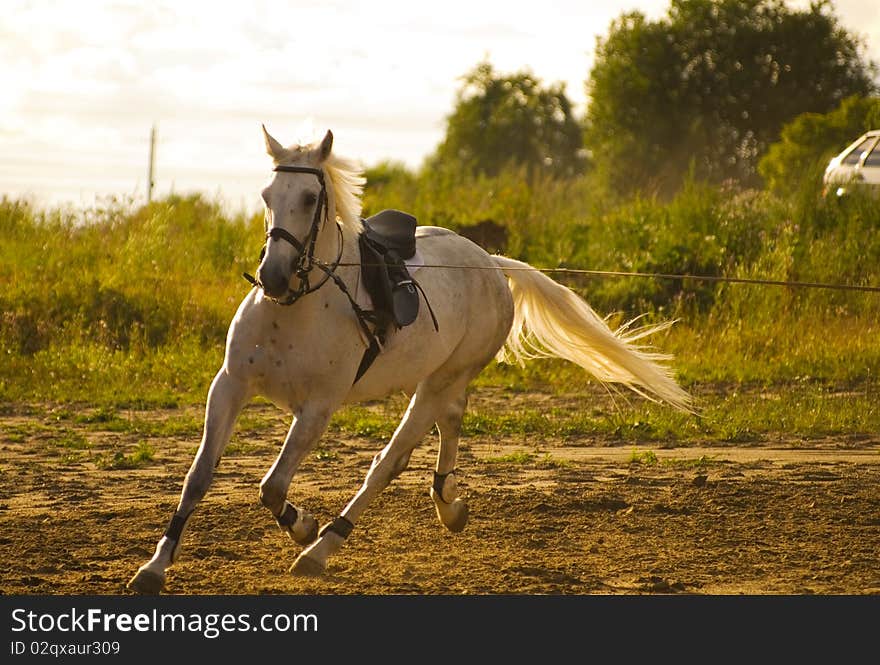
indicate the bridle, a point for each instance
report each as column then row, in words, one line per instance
column 374, row 325
column 305, row 260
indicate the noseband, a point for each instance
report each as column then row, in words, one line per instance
column 305, row 260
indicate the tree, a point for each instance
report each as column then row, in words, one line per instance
column 811, row 139
column 501, row 121
column 710, row 86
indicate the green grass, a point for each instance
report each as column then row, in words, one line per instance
column 548, row 461
column 366, row 422
column 326, row 454
column 22, row 432
column 237, row 447
column 140, row 457
column 650, row 458
column 700, row 463
column 644, row 457
column 72, row 441
column 122, row 308
column 108, row 419
column 511, row 458
column 545, row 461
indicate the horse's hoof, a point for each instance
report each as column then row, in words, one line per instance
column 454, row 516
column 147, row 582
column 305, row 566
column 460, row 520
column 309, row 533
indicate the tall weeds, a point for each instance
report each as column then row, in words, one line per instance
column 128, row 302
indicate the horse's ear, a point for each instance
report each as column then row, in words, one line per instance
column 273, row 148
column 326, row 145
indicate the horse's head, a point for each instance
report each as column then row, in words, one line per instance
column 297, row 204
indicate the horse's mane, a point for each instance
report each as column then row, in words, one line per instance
column 342, row 175
column 347, row 181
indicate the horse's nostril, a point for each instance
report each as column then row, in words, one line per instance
column 274, row 282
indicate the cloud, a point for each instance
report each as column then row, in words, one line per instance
column 83, row 82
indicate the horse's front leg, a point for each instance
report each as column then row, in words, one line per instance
column 226, row 398
column 308, row 425
column 387, row 465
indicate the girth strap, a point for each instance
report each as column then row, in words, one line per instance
column 370, row 354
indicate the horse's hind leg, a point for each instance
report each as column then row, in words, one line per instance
column 387, row 465
column 452, row 511
column 226, row 398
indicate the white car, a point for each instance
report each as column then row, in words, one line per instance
column 858, row 165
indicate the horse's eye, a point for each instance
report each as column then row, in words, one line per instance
column 310, row 199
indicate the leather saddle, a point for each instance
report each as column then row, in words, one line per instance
column 386, row 242
column 388, row 239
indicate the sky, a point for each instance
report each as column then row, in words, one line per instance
column 83, row 81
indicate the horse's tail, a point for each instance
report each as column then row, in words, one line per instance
column 551, row 320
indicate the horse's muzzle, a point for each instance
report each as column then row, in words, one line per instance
column 275, row 282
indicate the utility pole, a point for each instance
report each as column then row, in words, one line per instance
column 152, row 162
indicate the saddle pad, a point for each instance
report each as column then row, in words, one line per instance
column 363, row 299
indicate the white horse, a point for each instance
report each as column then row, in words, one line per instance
column 304, row 357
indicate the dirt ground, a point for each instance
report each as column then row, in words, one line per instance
column 564, row 517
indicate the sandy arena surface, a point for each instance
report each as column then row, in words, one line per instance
column 567, row 517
